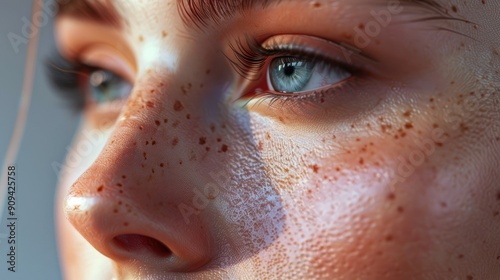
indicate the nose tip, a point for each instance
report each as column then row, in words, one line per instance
column 123, row 233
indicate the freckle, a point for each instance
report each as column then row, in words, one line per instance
column 385, row 127
column 315, row 168
column 463, row 127
column 125, row 224
column 338, row 169
column 120, row 203
column 188, row 116
column 203, row 140
column 408, row 126
column 164, row 34
column 208, row 71
column 180, row 162
column 207, row 149
column 454, row 8
column 439, row 144
column 391, row 196
column 157, row 122
column 115, row 210
column 347, row 36
column 443, row 204
column 178, row 106
column 224, row 148
column 498, row 195
column 145, row 155
column 119, row 185
column 162, row 164
column 281, row 119
column 175, row 124
column 361, row 26
column 407, row 113
column 141, row 39
column 165, row 120
column 461, row 256
column 147, row 143
column 100, row 188
column 435, row 125
column 389, row 238
column 361, row 161
column 268, row 135
column 140, row 127
column 400, row 209
column 260, row 146
column 357, row 139
column 431, row 99
column 316, row 4
column 212, row 127
column 219, row 140
column 175, row 141
column 469, row 277
column 152, row 170
column 124, row 177
column 153, row 143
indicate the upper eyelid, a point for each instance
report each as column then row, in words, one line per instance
column 250, row 56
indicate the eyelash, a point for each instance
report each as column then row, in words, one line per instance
column 251, row 57
column 66, row 76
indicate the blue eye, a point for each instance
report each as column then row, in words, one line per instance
column 105, row 86
column 294, row 74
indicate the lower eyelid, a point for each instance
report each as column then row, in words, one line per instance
column 104, row 115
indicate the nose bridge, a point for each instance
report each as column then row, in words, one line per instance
column 125, row 204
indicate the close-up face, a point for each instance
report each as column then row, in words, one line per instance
column 292, row 139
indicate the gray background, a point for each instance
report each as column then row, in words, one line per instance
column 50, row 127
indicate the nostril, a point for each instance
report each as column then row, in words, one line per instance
column 141, row 245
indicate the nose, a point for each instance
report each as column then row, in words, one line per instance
column 126, row 204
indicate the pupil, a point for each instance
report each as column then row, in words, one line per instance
column 289, row 70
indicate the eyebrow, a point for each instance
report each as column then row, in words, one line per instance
column 202, row 13
column 197, row 13
column 102, row 11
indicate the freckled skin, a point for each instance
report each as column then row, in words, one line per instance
column 391, row 180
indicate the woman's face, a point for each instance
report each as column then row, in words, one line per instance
column 330, row 139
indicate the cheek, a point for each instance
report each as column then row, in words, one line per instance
column 360, row 203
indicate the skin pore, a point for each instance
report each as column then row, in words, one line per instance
column 390, row 172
